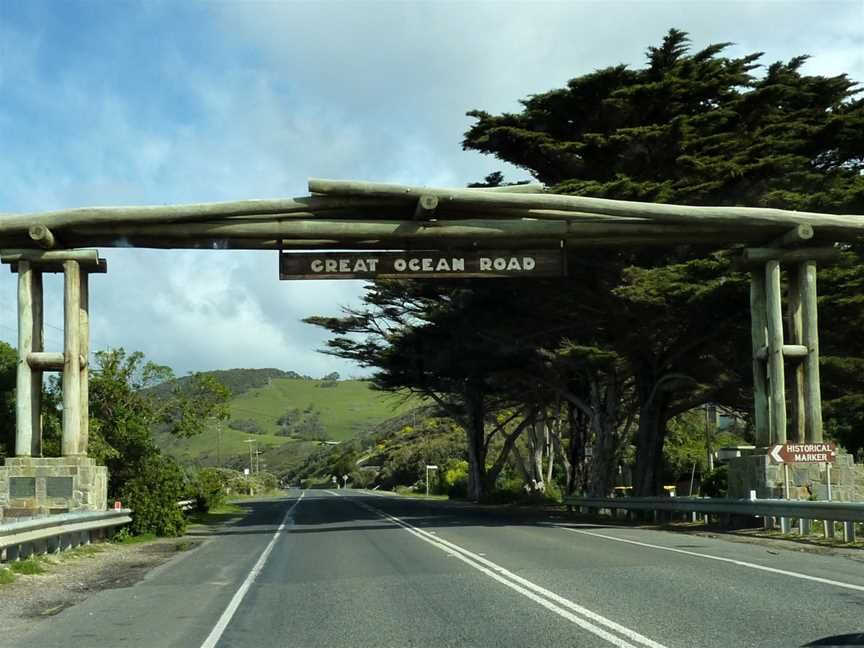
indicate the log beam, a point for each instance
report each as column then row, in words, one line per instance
column 630, row 209
column 50, row 360
column 790, row 351
column 797, row 235
column 87, row 258
column 42, row 236
column 758, row 256
column 426, row 206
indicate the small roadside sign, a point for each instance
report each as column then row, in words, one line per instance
column 431, row 467
column 803, row 453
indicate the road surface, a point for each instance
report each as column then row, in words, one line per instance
column 350, row 568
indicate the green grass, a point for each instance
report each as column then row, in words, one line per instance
column 346, row 410
column 217, row 514
column 7, row 576
column 29, row 567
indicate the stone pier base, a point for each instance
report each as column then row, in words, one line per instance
column 36, row 486
column 806, row 480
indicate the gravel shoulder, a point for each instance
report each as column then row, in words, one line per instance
column 70, row 577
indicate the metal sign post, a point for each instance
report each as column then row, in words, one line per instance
column 428, row 468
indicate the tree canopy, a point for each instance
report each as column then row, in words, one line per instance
column 637, row 334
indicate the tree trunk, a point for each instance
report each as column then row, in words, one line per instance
column 476, row 437
column 603, row 402
column 578, row 422
column 650, row 435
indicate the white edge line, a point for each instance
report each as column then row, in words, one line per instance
column 499, row 573
column 741, row 563
column 216, row 633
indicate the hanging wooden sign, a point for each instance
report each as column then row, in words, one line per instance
column 418, row 264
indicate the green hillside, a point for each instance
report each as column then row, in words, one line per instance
column 345, row 409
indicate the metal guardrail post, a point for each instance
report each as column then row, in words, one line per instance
column 848, row 531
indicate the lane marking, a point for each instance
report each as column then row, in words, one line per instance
column 741, row 563
column 548, row 599
column 216, row 633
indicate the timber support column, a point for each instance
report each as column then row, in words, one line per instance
column 28, row 401
column 795, row 366
column 776, row 379
column 84, row 352
column 70, row 445
column 810, row 332
column 759, row 339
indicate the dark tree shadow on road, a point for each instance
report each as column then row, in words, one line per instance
column 856, row 639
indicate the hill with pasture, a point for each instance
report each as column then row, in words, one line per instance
column 285, row 416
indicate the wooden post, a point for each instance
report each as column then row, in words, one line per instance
column 759, row 338
column 24, row 378
column 84, row 333
column 776, row 380
column 35, row 374
column 812, row 390
column 796, row 369
column 71, row 356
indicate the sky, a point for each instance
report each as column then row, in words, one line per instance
column 108, row 103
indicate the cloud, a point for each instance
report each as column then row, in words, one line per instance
column 161, row 103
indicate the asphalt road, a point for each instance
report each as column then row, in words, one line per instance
column 347, row 568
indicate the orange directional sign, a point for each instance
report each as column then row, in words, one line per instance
column 803, row 453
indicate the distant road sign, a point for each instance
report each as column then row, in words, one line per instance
column 803, row 453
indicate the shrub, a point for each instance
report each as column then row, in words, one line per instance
column 246, row 425
column 454, row 481
column 209, row 489
column 716, row 482
column 153, row 493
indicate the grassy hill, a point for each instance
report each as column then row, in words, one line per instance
column 346, row 408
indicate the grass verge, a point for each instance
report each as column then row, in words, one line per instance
column 30, row 567
column 217, row 514
column 7, row 576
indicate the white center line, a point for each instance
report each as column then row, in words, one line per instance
column 550, row 600
column 216, row 633
column 740, row 563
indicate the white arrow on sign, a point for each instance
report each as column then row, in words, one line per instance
column 775, row 454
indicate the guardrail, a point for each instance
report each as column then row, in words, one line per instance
column 847, row 513
column 19, row 540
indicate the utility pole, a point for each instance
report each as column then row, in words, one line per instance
column 710, row 420
column 251, row 464
column 219, row 443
